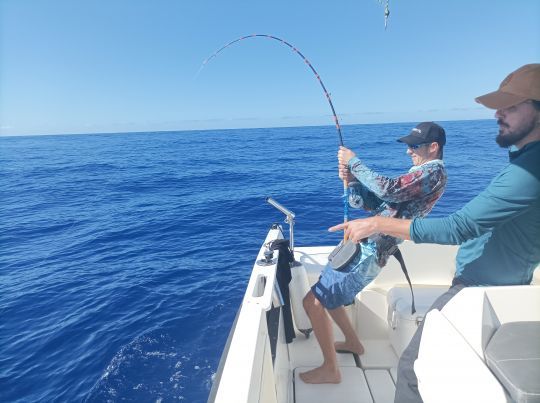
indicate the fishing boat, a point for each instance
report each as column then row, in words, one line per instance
column 481, row 347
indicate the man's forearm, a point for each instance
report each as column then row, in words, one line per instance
column 395, row 227
column 356, row 230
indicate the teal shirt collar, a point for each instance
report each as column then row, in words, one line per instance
column 516, row 153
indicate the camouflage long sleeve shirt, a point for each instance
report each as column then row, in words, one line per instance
column 407, row 196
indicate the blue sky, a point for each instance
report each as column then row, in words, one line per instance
column 126, row 65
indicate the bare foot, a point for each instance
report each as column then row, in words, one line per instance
column 321, row 375
column 354, row 347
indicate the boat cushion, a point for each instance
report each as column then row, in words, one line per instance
column 513, row 355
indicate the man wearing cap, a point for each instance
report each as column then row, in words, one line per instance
column 410, row 195
column 498, row 230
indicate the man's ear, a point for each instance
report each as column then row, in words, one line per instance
column 434, row 148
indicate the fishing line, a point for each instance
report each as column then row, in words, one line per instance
column 294, row 49
column 336, row 120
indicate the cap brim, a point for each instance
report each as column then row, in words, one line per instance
column 500, row 100
column 411, row 140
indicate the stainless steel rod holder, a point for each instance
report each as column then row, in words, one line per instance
column 289, row 219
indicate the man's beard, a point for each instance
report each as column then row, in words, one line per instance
column 510, row 138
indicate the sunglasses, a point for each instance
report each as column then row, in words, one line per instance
column 417, row 146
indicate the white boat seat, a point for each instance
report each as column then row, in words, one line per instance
column 448, row 368
column 513, row 355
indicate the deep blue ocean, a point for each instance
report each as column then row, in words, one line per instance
column 124, row 257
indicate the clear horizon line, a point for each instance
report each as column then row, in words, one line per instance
column 222, row 129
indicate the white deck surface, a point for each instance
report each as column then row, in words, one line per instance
column 373, row 382
column 352, row 389
column 381, row 385
column 307, row 353
column 378, row 354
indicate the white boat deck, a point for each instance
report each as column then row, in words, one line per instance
column 357, row 386
column 260, row 368
column 352, row 389
column 371, row 380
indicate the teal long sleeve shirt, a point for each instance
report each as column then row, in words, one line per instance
column 498, row 230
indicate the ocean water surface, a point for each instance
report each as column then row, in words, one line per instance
column 124, row 257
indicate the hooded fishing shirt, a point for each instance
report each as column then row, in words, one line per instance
column 410, row 195
column 498, row 230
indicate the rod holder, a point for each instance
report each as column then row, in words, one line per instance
column 289, row 219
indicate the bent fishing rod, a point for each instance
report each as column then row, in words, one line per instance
column 336, row 120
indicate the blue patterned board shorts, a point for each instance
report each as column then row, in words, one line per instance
column 338, row 288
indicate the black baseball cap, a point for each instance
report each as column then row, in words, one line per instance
column 425, row 132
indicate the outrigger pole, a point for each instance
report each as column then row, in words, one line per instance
column 336, row 120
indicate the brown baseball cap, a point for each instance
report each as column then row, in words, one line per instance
column 519, row 86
